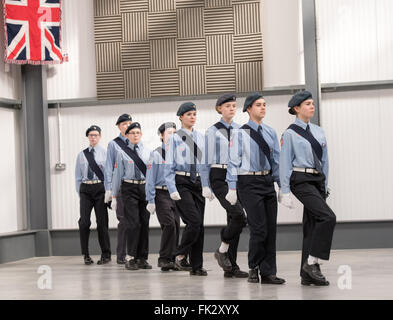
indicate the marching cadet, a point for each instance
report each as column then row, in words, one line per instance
column 253, row 168
column 159, row 200
column 304, row 170
column 219, row 137
column 114, row 146
column 129, row 182
column 187, row 178
column 89, row 174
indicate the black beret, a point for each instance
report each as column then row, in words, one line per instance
column 228, row 97
column 251, row 99
column 298, row 98
column 165, row 126
column 185, row 107
column 123, row 118
column 133, row 126
column 93, row 128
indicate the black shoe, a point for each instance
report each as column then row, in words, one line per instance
column 88, row 260
column 143, row 264
column 198, row 272
column 131, row 265
column 121, row 260
column 166, row 265
column 223, row 260
column 235, row 273
column 307, row 281
column 104, row 260
column 253, row 276
column 314, row 274
column 183, row 265
column 272, row 279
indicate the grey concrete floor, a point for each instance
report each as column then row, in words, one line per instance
column 372, row 278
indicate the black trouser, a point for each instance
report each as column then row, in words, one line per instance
column 137, row 219
column 168, row 217
column 259, row 199
column 236, row 218
column 192, row 210
column 123, row 240
column 318, row 219
column 92, row 196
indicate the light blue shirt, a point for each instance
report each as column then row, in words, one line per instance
column 125, row 166
column 218, row 144
column 155, row 174
column 179, row 158
column 245, row 154
column 82, row 165
column 113, row 149
column 297, row 152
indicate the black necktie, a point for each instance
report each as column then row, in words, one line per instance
column 193, row 164
column 317, row 163
column 90, row 173
column 138, row 175
column 229, row 132
column 261, row 154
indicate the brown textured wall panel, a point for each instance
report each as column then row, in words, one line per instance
column 162, row 25
column 162, row 5
column 218, row 20
column 107, row 29
column 219, row 49
column 134, row 5
column 110, row 85
column 217, row 3
column 192, row 80
column 189, row 3
column 163, row 54
column 137, row 83
column 248, row 48
column 249, row 76
column 164, row 83
column 247, row 18
column 190, row 23
column 220, row 78
column 134, row 26
column 108, row 57
column 135, row 55
column 191, row 51
column 149, row 48
column 106, row 8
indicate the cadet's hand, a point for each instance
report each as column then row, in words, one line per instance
column 207, row 193
column 175, row 196
column 114, row 203
column 231, row 196
column 108, row 196
column 151, row 207
column 286, row 200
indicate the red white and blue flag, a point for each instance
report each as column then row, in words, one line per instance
column 32, row 31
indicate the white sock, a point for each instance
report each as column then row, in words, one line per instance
column 223, row 248
column 128, row 258
column 178, row 258
column 312, row 260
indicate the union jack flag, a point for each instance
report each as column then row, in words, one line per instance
column 32, row 31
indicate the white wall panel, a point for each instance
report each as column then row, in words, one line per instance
column 11, row 173
column 355, row 40
column 75, row 79
column 10, row 79
column 282, row 43
column 358, row 129
column 65, row 205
